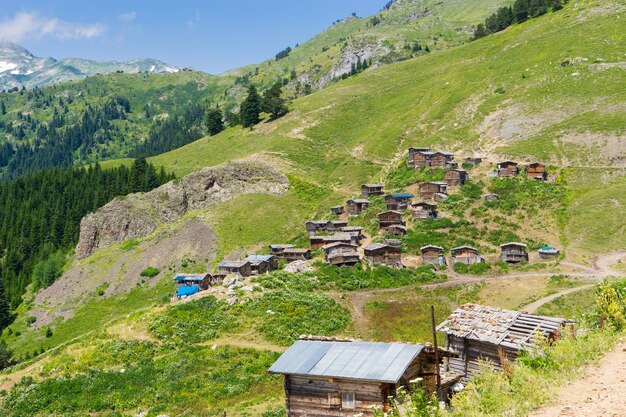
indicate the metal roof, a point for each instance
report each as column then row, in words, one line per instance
column 232, row 264
column 390, row 211
column 548, row 249
column 499, row 326
column 372, row 185
column 296, row 250
column 376, row 246
column 383, row 362
column 513, row 244
column 257, row 259
column 401, row 195
column 463, row 247
column 190, row 277
column 278, row 246
column 431, row 247
column 359, row 200
column 336, row 244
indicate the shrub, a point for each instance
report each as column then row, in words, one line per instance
column 611, row 303
column 129, row 244
column 150, row 272
column 30, row 320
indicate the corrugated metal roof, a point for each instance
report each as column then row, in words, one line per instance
column 383, row 362
column 257, row 259
column 431, row 247
column 376, row 246
column 359, row 201
column 190, row 277
column 499, row 326
column 373, row 185
column 513, row 244
column 232, row 264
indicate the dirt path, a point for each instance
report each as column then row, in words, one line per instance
column 532, row 307
column 600, row 393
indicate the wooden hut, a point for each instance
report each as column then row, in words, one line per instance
column 465, row 255
column 474, row 160
column 371, row 189
column 337, row 210
column 296, row 254
column 357, row 231
column 341, row 253
column 317, row 226
column 537, row 171
column 383, row 254
column 507, row 169
column 318, row 241
column 429, row 189
column 548, row 252
column 389, row 217
column 398, row 201
column 356, row 206
column 433, row 255
column 513, row 252
column 478, row 333
column 278, row 249
column 261, row 264
column 242, row 268
column 332, row 378
column 396, row 243
column 396, row 229
column 455, row 177
column 424, row 210
column 190, row 284
column 442, row 160
column 419, row 157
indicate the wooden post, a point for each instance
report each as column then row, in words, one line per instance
column 432, row 317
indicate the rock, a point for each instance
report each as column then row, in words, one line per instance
column 138, row 215
column 233, row 301
column 247, row 288
column 298, row 267
column 575, row 74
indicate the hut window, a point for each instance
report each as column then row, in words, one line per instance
column 334, row 400
column 347, row 400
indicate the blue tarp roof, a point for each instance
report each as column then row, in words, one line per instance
column 187, row 290
column 189, row 277
column 384, row 362
column 402, row 195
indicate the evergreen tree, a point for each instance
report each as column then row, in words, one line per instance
column 537, row 7
column 5, row 310
column 214, row 122
column 273, row 103
column 3, row 108
column 520, row 10
column 480, row 31
column 250, row 108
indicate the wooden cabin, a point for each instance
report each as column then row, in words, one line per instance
column 537, row 171
column 396, row 243
column 296, row 254
column 548, row 252
column 398, row 201
column 382, row 254
column 337, row 210
column 478, row 333
column 371, row 189
column 419, row 157
column 424, row 210
column 317, row 226
column 513, row 252
column 317, row 241
column 442, row 160
column 507, row 169
column 433, row 255
column 190, row 284
column 332, row 378
column 262, row 264
column 389, row 217
column 396, row 230
column 242, row 268
column 474, row 160
column 341, row 253
column 455, row 177
column 357, row 231
column 491, row 197
column 465, row 255
column 356, row 206
column 278, row 249
column 429, row 189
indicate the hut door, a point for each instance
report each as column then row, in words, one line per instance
column 334, row 400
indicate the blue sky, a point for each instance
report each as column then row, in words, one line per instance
column 209, row 35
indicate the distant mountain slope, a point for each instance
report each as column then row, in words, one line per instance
column 18, row 67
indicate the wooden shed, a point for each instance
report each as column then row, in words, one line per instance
column 442, row 160
column 261, row 264
column 465, row 255
column 383, row 254
column 433, row 255
column 331, row 378
column 242, row 268
column 296, row 254
column 371, row 189
column 356, row 206
column 429, row 189
column 455, row 177
column 190, row 284
column 537, row 171
column 319, row 241
column 341, row 253
column 357, row 231
column 278, row 249
column 478, row 333
column 548, row 252
column 513, row 252
column 507, row 169
column 337, row 210
column 419, row 157
column 389, row 217
column 317, row 226
column 424, row 210
column 396, row 229
column 398, row 201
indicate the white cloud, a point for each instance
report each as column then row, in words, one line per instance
column 191, row 24
column 128, row 16
column 28, row 25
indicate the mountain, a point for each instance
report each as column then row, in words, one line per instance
column 18, row 67
column 547, row 89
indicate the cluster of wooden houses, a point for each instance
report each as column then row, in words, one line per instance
column 510, row 169
column 335, row 377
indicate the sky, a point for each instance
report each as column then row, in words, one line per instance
column 208, row 35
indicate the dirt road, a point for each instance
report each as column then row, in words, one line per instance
column 600, row 393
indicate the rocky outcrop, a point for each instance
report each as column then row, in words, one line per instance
column 138, row 215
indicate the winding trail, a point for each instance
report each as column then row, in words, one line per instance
column 534, row 306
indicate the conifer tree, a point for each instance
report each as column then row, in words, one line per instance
column 273, row 103
column 214, row 122
column 250, row 108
